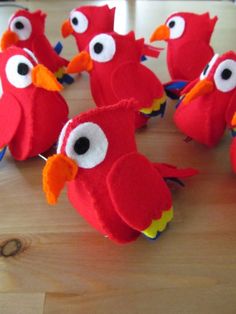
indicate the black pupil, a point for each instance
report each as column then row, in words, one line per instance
column 226, row 74
column 19, row 25
column 82, row 145
column 75, row 21
column 172, row 24
column 23, row 69
column 205, row 70
column 98, row 47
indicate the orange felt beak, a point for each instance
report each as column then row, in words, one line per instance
column 66, row 28
column 9, row 38
column 201, row 88
column 81, row 62
column 233, row 122
column 58, row 170
column 44, row 78
column 160, row 33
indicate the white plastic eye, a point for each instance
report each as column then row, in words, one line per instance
column 22, row 27
column 208, row 67
column 225, row 75
column 102, row 48
column 87, row 145
column 61, row 137
column 18, row 71
column 176, row 25
column 79, row 21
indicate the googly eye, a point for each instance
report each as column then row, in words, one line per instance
column 22, row 27
column 79, row 21
column 208, row 67
column 225, row 75
column 102, row 48
column 18, row 71
column 87, row 145
column 176, row 25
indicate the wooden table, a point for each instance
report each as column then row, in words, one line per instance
column 64, row 266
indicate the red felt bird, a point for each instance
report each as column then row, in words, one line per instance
column 202, row 113
column 116, row 73
column 188, row 43
column 231, row 123
column 87, row 21
column 32, row 112
column 115, row 188
column 27, row 30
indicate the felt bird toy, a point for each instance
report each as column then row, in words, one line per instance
column 233, row 144
column 114, row 64
column 115, row 188
column 87, row 21
column 27, row 30
column 231, row 123
column 201, row 114
column 32, row 112
column 188, row 43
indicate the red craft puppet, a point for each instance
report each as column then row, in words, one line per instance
column 87, row 21
column 115, row 188
column 116, row 72
column 27, row 30
column 231, row 123
column 188, row 43
column 32, row 112
column 209, row 103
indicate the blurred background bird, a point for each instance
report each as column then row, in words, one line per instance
column 116, row 72
column 27, row 30
column 32, row 112
column 86, row 21
column 188, row 43
column 209, row 104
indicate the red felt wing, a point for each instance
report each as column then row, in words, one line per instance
column 10, row 115
column 231, row 110
column 134, row 80
column 180, row 61
column 138, row 192
column 47, row 55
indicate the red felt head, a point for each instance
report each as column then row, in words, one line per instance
column 207, row 107
column 185, row 26
column 86, row 21
column 23, row 27
column 31, row 111
column 188, row 49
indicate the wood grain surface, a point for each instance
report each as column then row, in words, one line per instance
column 53, row 262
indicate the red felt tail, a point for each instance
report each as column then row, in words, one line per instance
column 213, row 23
column 169, row 171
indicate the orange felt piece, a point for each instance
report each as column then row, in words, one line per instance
column 161, row 33
column 66, row 29
column 44, row 78
column 81, row 62
column 201, row 88
column 233, row 122
column 58, row 170
column 9, row 38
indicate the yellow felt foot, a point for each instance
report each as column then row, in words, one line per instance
column 156, row 105
column 60, row 72
column 159, row 225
